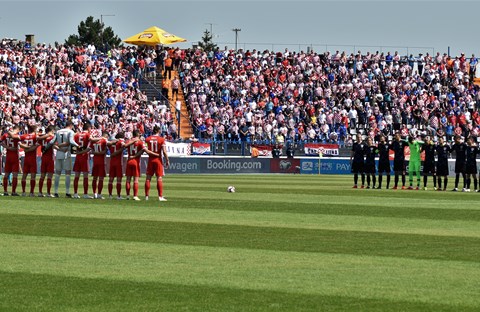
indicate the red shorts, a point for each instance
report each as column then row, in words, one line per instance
column 133, row 168
column 98, row 170
column 116, row 170
column 47, row 166
column 12, row 164
column 81, row 163
column 155, row 167
column 30, row 166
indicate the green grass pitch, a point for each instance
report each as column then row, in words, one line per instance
column 280, row 243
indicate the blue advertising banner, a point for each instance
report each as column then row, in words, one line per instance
column 327, row 166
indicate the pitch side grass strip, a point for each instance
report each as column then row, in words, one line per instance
column 263, row 219
column 43, row 292
column 390, row 278
column 249, row 237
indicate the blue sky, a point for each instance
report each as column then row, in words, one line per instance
column 422, row 26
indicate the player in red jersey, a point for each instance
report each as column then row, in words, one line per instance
column 82, row 159
column 116, row 164
column 99, row 150
column 134, row 152
column 155, row 150
column 29, row 144
column 47, row 167
column 10, row 141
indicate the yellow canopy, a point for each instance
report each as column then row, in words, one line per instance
column 153, row 36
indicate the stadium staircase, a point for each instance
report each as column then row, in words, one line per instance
column 153, row 88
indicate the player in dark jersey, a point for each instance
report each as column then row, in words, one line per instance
column 357, row 160
column 460, row 149
column 442, row 149
column 471, row 164
column 370, row 153
column 398, row 147
column 383, row 161
column 429, row 162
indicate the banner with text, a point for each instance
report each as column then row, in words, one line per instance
column 314, row 149
column 178, row 149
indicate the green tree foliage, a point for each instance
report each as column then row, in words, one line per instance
column 93, row 31
column 207, row 43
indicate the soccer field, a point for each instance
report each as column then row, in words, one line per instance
column 280, row 243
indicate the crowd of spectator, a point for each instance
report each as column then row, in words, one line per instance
column 47, row 85
column 328, row 97
column 242, row 95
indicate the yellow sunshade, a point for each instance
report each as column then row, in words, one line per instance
column 153, row 36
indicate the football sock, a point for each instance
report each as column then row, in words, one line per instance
column 40, row 185
column 368, row 180
column 457, row 178
column 425, row 181
column 100, row 186
column 127, row 187
column 24, row 185
column 403, row 180
column 439, row 182
column 380, row 178
column 49, row 185
column 32, row 186
column 135, row 188
column 57, row 182
column 396, row 180
column 5, row 183
column 434, row 182
column 14, row 184
column 94, row 186
column 67, row 183
column 160, row 187
column 445, row 182
column 363, row 179
column 75, row 184
column 374, row 180
column 147, row 187
column 119, row 188
column 475, row 183
column 85, row 185
column 355, row 178
column 388, row 181
column 110, row 188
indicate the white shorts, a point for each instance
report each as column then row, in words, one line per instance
column 63, row 164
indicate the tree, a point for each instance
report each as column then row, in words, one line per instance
column 94, row 32
column 207, row 43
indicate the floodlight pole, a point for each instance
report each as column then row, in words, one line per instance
column 236, row 30
column 101, row 22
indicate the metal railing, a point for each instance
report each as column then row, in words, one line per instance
column 144, row 80
column 324, row 47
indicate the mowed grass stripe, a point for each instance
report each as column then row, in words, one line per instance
column 249, row 237
column 397, row 279
column 48, row 292
column 264, row 219
column 430, row 210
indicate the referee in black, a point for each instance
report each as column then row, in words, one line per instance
column 357, row 160
column 442, row 149
column 383, row 161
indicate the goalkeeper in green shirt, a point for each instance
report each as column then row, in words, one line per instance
column 414, row 163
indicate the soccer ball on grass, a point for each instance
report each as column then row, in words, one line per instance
column 231, row 189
